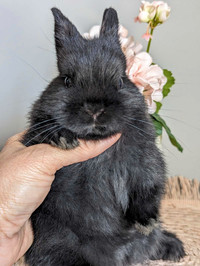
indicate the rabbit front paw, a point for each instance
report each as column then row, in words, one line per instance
column 65, row 140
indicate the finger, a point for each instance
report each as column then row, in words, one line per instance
column 16, row 139
column 54, row 158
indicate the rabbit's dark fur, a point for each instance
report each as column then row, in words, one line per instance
column 105, row 211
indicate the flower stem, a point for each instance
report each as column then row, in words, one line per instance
column 149, row 43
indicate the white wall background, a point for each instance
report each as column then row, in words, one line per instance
column 28, row 62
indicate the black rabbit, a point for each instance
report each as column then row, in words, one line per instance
column 105, row 211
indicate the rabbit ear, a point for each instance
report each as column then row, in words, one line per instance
column 110, row 24
column 64, row 29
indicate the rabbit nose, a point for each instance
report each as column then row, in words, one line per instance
column 98, row 113
column 94, row 110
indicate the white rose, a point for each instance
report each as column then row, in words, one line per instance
column 162, row 12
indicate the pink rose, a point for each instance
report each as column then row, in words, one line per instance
column 148, row 78
column 129, row 47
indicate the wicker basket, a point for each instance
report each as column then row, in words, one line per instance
column 180, row 214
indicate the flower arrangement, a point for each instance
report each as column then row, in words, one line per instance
column 152, row 81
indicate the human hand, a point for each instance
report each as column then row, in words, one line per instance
column 26, row 175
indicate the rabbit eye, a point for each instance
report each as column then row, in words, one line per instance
column 68, row 81
column 121, row 83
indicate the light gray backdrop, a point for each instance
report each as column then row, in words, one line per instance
column 28, row 63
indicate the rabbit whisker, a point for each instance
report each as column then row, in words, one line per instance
column 181, row 121
column 139, row 120
column 52, row 132
column 33, row 68
column 44, row 121
column 40, row 134
column 49, row 124
column 138, row 129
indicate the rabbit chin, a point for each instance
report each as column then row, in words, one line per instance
column 96, row 136
column 97, row 133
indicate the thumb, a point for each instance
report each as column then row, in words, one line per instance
column 57, row 158
column 49, row 159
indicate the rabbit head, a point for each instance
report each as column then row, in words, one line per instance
column 92, row 96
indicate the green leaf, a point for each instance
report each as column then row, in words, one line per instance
column 170, row 82
column 158, row 126
column 158, row 106
column 173, row 140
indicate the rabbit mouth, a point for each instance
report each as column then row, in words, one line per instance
column 96, row 137
column 98, row 129
column 97, row 133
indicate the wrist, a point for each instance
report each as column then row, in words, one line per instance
column 9, row 249
column 14, row 245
